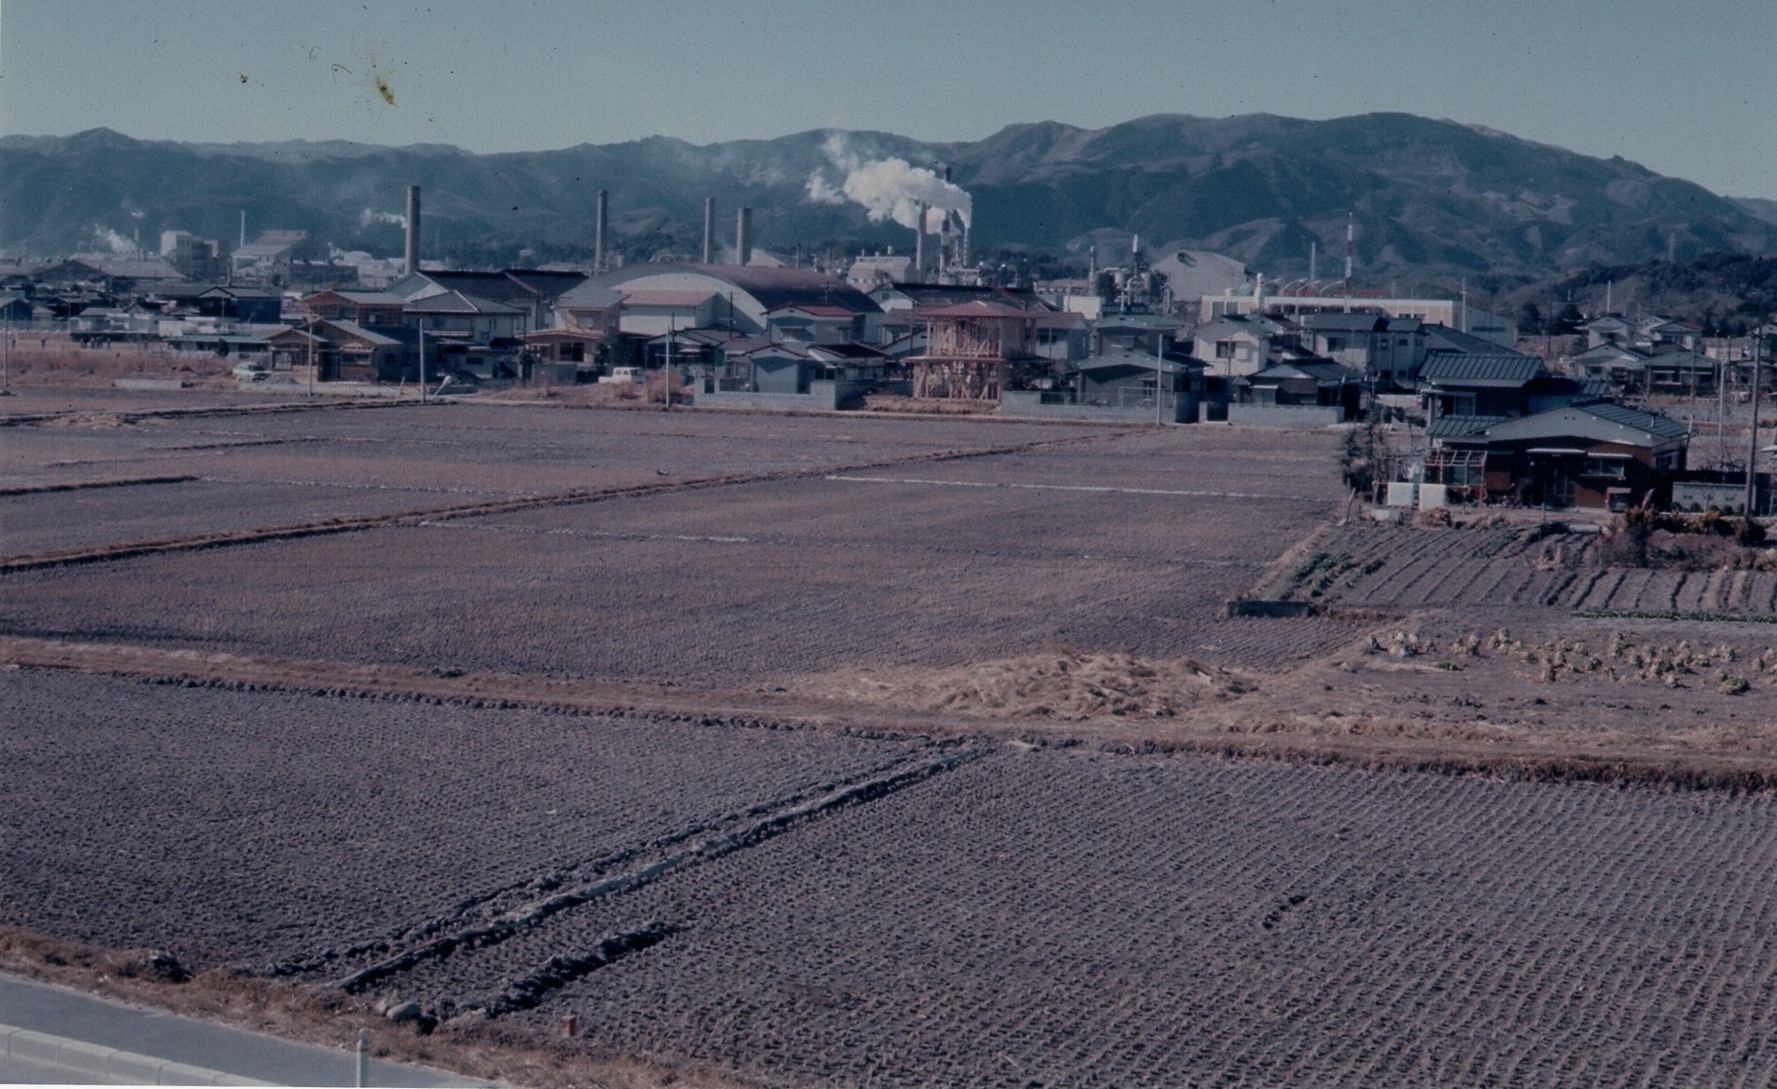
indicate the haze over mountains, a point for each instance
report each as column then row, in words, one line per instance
column 1432, row 201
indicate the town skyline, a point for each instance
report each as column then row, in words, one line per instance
column 1575, row 74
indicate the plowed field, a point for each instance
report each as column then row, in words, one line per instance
column 874, row 752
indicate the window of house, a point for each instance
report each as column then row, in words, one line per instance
column 1224, row 349
column 1614, row 468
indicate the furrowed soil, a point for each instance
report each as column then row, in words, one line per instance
column 868, row 751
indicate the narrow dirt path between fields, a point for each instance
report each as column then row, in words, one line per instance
column 1350, row 708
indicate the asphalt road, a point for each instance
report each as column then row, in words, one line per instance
column 61, row 1012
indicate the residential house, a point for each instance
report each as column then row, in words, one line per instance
column 766, row 366
column 1323, row 383
column 1609, row 329
column 480, row 321
column 1137, row 332
column 1386, row 350
column 587, row 333
column 1238, row 345
column 361, row 307
column 1458, row 384
column 1594, row 456
column 534, row 291
column 347, row 351
column 814, row 323
column 1127, row 379
column 249, row 305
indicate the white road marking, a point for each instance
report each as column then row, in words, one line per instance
column 456, row 524
column 1064, row 488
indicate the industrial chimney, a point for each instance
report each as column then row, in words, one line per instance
column 413, row 229
column 919, row 246
column 709, row 228
column 743, row 236
column 601, row 212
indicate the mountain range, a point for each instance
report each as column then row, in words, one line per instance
column 1428, row 201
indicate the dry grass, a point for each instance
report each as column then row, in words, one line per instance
column 612, row 394
column 56, row 362
column 884, row 402
column 1063, row 684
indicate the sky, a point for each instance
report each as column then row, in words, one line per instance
column 1684, row 87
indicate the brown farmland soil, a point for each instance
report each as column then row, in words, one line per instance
column 867, row 751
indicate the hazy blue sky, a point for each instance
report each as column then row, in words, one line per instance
column 1685, row 88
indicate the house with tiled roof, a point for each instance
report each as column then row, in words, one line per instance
column 480, row 320
column 1595, row 455
column 1463, row 384
column 1322, row 383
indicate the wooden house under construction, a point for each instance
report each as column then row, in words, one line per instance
column 974, row 350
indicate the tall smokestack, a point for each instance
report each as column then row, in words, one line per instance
column 709, row 228
column 412, row 255
column 919, row 246
column 946, row 252
column 601, row 212
column 1349, row 218
column 743, row 236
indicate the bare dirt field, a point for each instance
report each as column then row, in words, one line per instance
column 869, row 751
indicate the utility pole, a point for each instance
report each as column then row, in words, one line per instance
column 1159, row 375
column 311, row 333
column 6, row 362
column 1758, row 345
column 422, row 361
column 1721, row 412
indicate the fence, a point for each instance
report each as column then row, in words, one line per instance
column 822, row 396
column 1289, row 416
column 1127, row 406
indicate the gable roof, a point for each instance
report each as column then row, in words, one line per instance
column 455, row 302
column 1598, row 422
column 1609, row 351
column 1444, row 338
column 1322, row 372
column 1140, row 361
column 353, row 330
column 852, row 350
column 1498, row 370
column 1445, row 427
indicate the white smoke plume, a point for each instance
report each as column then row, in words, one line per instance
column 889, row 188
column 113, row 241
column 821, row 191
column 370, row 215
